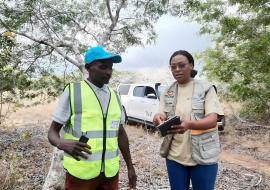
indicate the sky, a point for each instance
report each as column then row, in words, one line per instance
column 173, row 34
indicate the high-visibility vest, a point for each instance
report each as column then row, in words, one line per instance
column 87, row 119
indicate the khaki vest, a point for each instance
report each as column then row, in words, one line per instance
column 87, row 119
column 200, row 90
column 205, row 143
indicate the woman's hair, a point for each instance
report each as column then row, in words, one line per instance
column 184, row 53
column 188, row 56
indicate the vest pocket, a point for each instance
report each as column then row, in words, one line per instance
column 209, row 148
column 197, row 105
column 168, row 108
column 169, row 105
column 205, row 147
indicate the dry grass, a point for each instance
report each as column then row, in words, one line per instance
column 11, row 176
column 23, row 116
column 236, row 139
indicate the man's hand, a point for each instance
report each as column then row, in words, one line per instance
column 132, row 178
column 74, row 148
column 158, row 119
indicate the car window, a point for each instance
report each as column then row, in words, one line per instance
column 149, row 90
column 138, row 91
column 123, row 89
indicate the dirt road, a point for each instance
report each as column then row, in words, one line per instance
column 246, row 161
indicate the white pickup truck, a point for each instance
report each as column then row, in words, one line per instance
column 141, row 101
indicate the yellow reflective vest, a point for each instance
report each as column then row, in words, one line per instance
column 87, row 119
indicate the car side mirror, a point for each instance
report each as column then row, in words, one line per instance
column 151, row 96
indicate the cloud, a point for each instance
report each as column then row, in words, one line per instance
column 173, row 34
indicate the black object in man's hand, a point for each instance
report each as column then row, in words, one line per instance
column 83, row 139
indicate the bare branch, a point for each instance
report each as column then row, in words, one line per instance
column 107, row 35
column 118, row 11
column 25, row 49
column 39, row 56
column 120, row 20
column 109, row 10
column 83, row 29
column 118, row 29
column 76, row 63
column 44, row 21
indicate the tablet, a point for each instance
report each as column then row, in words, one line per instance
column 164, row 127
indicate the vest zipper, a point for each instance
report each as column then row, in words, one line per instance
column 104, row 128
column 104, row 144
column 105, row 134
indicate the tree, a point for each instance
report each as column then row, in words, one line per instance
column 51, row 30
column 8, row 71
column 241, row 56
column 48, row 31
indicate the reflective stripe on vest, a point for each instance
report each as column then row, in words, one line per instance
column 90, row 134
column 98, row 156
column 87, row 119
column 77, row 106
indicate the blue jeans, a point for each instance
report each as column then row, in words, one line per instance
column 203, row 177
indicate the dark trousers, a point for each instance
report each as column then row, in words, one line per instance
column 98, row 183
column 202, row 177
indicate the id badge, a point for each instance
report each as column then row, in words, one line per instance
column 114, row 124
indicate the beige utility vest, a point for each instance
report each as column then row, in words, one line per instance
column 205, row 145
column 200, row 90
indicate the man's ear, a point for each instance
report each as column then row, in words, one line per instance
column 87, row 67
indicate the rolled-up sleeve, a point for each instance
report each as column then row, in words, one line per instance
column 62, row 113
column 212, row 104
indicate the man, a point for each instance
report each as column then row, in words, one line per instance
column 93, row 120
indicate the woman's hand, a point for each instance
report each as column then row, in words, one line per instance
column 181, row 128
column 158, row 119
column 74, row 148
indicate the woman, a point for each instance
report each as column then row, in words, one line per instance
column 194, row 144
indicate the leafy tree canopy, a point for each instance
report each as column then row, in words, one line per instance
column 48, row 31
column 241, row 56
column 10, row 75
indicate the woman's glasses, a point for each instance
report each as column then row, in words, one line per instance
column 173, row 67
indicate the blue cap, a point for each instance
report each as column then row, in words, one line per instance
column 98, row 53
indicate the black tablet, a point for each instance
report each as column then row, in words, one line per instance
column 164, row 127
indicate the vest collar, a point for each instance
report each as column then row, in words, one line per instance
column 104, row 88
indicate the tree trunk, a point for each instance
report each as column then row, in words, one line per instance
column 55, row 179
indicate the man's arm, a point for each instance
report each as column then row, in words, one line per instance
column 53, row 134
column 73, row 148
column 124, row 148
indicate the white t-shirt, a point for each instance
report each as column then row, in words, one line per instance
column 62, row 113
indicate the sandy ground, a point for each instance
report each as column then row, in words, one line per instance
column 35, row 114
